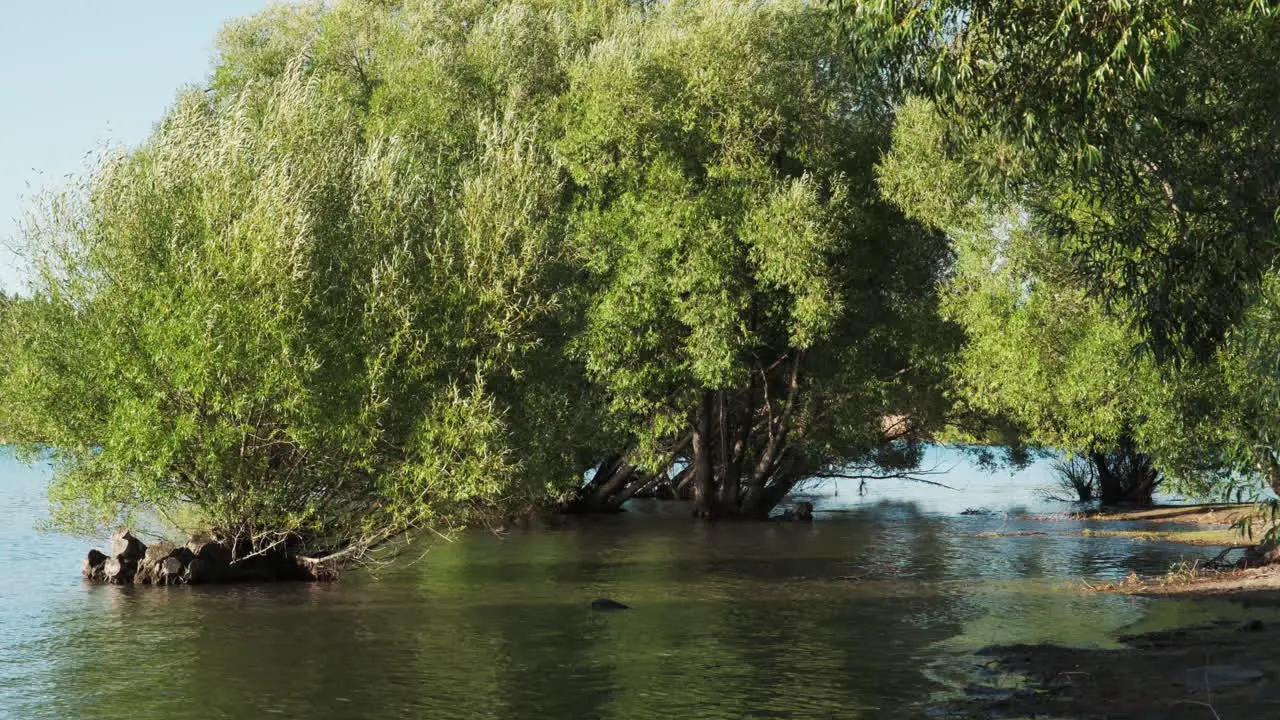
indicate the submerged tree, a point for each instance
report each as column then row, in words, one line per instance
column 400, row 263
column 326, row 301
column 1134, row 140
column 1041, row 350
column 756, row 311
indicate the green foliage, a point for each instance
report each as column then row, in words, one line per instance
column 1128, row 149
column 325, row 300
column 1141, row 135
column 1042, row 351
column 737, row 245
column 400, row 262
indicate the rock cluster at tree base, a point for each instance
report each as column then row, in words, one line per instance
column 202, row 560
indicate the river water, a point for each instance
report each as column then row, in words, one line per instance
column 872, row 611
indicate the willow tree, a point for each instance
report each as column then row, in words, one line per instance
column 326, row 301
column 1156, row 121
column 755, row 310
column 1138, row 140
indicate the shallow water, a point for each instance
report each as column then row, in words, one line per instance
column 871, row 611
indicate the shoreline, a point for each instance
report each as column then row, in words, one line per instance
column 1227, row 668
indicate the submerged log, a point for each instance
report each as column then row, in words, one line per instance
column 169, row 571
column 92, row 569
column 124, row 546
column 203, row 560
column 800, row 512
column 119, row 572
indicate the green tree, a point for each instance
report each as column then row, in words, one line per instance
column 325, row 302
column 1136, row 140
column 400, row 263
column 755, row 311
column 1142, row 135
column 1041, row 350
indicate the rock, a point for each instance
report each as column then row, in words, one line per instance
column 1216, row 676
column 607, row 604
column 158, row 552
column 152, row 569
column 149, row 566
column 1250, row 625
column 1268, row 694
column 803, row 511
column 183, row 554
column 198, row 540
column 92, row 568
column 124, row 546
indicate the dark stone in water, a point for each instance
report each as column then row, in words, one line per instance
column 607, row 604
column 199, row 571
column 800, row 512
column 1250, row 625
column 1216, row 676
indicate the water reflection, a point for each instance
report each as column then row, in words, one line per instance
column 870, row 612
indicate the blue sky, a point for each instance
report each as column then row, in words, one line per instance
column 82, row 74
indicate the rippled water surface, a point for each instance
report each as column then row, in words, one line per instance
column 869, row 612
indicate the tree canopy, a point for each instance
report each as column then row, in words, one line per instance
column 1139, row 133
column 326, row 299
column 1106, row 172
column 401, row 263
column 749, row 290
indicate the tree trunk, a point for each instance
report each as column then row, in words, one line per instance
column 601, row 499
column 1125, row 475
column 775, row 494
column 729, row 474
column 703, row 478
column 610, row 479
column 1110, row 491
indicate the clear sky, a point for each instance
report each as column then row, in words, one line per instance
column 81, row 74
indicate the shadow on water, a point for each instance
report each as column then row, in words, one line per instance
column 870, row 612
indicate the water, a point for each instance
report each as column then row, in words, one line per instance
column 872, row 611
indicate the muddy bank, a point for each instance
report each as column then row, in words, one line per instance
column 1250, row 586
